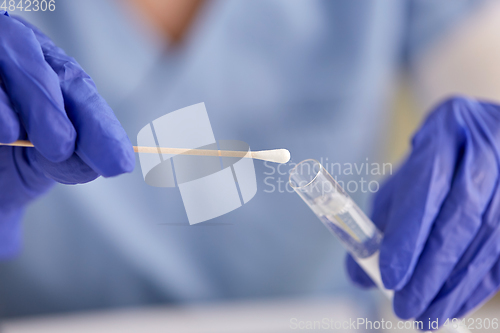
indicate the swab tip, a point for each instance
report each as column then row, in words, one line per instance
column 274, row 155
column 286, row 155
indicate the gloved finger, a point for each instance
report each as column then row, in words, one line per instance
column 24, row 181
column 382, row 204
column 357, row 274
column 488, row 287
column 472, row 269
column 9, row 122
column 423, row 182
column 102, row 142
column 454, row 295
column 490, row 284
column 34, row 91
column 459, row 219
column 71, row 171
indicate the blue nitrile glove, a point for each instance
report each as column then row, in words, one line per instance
column 46, row 97
column 440, row 214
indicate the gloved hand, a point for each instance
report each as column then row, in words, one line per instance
column 46, row 97
column 440, row 214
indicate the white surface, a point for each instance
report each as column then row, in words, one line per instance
column 234, row 317
column 490, row 310
column 252, row 317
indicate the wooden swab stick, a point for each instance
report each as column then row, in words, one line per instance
column 273, row 155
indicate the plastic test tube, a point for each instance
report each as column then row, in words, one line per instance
column 340, row 214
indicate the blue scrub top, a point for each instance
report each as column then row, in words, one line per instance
column 310, row 76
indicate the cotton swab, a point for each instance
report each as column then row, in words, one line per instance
column 273, row 155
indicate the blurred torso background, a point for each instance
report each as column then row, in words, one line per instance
column 314, row 77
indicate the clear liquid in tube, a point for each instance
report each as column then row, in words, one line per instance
column 343, row 218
